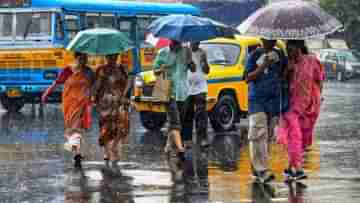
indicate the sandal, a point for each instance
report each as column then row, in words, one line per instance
column 77, row 159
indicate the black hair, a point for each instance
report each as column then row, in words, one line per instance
column 305, row 50
column 77, row 54
column 110, row 55
column 299, row 44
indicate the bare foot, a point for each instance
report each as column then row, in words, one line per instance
column 176, row 138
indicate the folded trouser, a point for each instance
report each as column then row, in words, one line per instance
column 175, row 122
column 195, row 110
column 173, row 112
column 261, row 130
column 173, row 160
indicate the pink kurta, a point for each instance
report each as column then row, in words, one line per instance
column 297, row 125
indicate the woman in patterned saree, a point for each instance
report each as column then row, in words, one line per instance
column 110, row 98
column 77, row 80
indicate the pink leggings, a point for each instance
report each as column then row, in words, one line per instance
column 295, row 139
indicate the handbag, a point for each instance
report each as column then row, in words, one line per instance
column 162, row 88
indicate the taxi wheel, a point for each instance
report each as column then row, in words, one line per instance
column 152, row 121
column 12, row 105
column 223, row 116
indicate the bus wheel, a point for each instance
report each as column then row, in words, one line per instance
column 152, row 121
column 223, row 116
column 12, row 104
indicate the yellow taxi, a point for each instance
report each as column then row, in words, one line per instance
column 227, row 90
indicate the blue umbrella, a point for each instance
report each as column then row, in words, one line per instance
column 188, row 28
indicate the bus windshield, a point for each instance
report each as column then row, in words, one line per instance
column 29, row 26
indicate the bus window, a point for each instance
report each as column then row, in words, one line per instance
column 6, row 20
column 92, row 20
column 72, row 25
column 125, row 25
column 143, row 23
column 108, row 21
column 33, row 25
column 59, row 27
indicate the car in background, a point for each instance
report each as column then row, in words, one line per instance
column 340, row 64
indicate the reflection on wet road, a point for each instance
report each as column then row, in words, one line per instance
column 239, row 185
column 35, row 168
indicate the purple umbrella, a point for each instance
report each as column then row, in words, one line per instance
column 290, row 20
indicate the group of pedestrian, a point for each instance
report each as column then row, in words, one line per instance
column 186, row 68
column 107, row 90
column 284, row 103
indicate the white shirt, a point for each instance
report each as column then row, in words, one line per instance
column 197, row 81
column 272, row 56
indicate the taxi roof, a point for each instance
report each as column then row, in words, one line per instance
column 243, row 40
column 238, row 39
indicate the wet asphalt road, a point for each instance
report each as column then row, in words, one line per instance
column 35, row 168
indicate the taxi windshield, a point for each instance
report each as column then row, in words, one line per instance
column 221, row 54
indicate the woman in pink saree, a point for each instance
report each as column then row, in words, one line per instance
column 296, row 126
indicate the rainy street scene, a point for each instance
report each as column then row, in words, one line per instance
column 179, row 101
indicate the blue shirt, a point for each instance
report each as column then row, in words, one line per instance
column 265, row 91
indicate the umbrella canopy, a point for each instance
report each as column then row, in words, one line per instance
column 290, row 20
column 157, row 42
column 100, row 41
column 188, row 28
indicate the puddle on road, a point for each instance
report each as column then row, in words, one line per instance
column 238, row 186
column 44, row 174
column 35, row 171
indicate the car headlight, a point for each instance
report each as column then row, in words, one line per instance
column 139, row 82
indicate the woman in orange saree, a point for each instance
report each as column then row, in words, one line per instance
column 77, row 81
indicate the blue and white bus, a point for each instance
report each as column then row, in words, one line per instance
column 33, row 34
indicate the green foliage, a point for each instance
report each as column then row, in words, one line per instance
column 348, row 13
